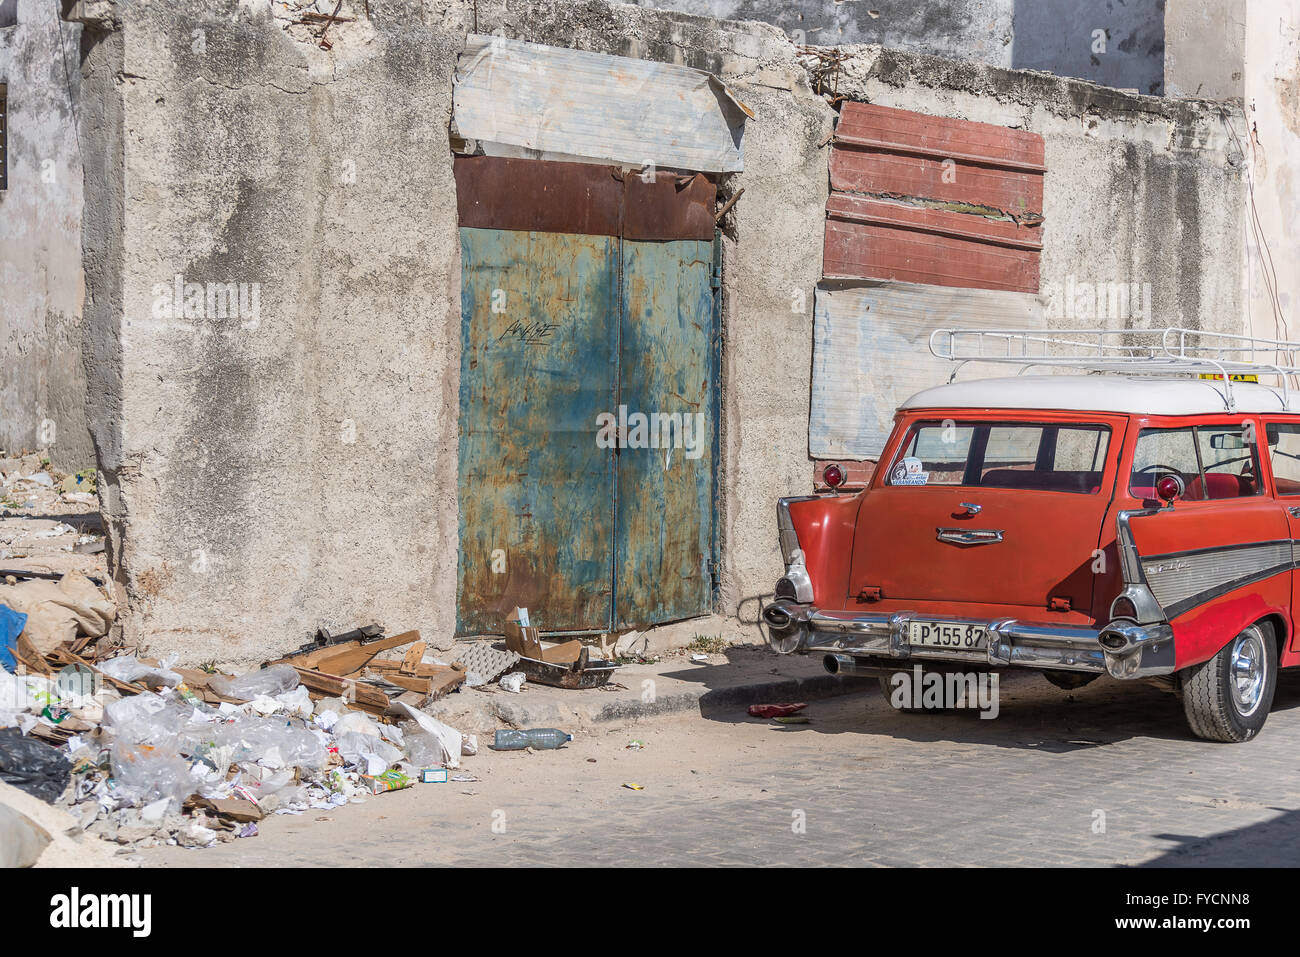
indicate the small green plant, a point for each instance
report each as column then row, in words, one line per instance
column 208, row 667
column 708, row 644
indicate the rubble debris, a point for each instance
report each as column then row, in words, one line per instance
column 483, row 663
column 151, row 752
column 564, row 665
column 58, row 613
column 32, row 766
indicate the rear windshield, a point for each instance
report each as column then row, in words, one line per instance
column 1041, row 457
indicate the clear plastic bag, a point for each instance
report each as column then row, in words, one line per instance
column 268, row 682
column 143, row 774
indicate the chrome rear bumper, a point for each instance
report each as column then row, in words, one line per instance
column 1123, row 649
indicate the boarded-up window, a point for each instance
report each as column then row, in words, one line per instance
column 935, row 200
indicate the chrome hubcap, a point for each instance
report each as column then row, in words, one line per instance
column 1247, row 671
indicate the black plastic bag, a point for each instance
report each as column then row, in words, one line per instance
column 33, row 766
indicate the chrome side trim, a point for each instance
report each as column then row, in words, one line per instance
column 797, row 576
column 1182, row 580
column 1136, row 588
column 789, row 539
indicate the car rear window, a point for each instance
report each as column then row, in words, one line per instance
column 1044, row 457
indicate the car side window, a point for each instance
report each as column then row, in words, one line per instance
column 1283, row 440
column 1214, row 461
column 1228, row 460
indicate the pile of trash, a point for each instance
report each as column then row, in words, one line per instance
column 144, row 752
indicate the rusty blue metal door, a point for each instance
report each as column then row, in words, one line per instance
column 585, row 294
column 665, row 500
column 539, row 314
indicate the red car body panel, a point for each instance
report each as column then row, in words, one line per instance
column 877, row 550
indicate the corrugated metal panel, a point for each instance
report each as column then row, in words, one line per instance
column 881, row 150
column 545, row 102
column 519, row 194
column 871, row 352
column 873, row 239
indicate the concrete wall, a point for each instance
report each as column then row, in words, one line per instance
column 1205, row 47
column 1117, row 44
column 295, row 466
column 1271, row 134
column 43, row 390
column 272, row 473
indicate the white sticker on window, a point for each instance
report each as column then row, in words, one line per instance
column 909, row 472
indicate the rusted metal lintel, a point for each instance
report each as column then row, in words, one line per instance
column 531, row 195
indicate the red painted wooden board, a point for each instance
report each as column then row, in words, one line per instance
column 888, row 151
column 871, row 239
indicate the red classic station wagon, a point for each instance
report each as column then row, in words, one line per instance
column 1141, row 522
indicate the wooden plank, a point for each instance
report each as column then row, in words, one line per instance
column 412, row 658
column 356, row 693
column 347, row 657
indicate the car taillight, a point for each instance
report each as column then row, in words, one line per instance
column 833, row 476
column 1123, row 608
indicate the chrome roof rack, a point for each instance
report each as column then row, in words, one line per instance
column 1136, row 352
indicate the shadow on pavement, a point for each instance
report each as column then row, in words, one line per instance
column 1032, row 714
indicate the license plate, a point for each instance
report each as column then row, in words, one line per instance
column 946, row 634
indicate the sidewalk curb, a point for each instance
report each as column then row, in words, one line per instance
column 704, row 701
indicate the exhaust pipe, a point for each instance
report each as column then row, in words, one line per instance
column 778, row 618
column 841, row 665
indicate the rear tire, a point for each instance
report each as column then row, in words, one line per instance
column 1228, row 697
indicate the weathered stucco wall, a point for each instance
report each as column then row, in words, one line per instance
column 43, row 389
column 1271, row 136
column 1205, row 47
column 294, row 465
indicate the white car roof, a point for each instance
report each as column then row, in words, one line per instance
column 1136, row 395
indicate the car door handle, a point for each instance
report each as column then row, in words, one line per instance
column 970, row 536
column 1294, row 510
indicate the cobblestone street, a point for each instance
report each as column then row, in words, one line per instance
column 1108, row 775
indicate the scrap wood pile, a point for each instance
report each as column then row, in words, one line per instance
column 143, row 751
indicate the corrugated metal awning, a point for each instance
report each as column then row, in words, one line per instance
column 541, row 102
column 871, row 352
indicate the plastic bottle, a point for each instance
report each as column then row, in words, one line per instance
column 540, row 738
